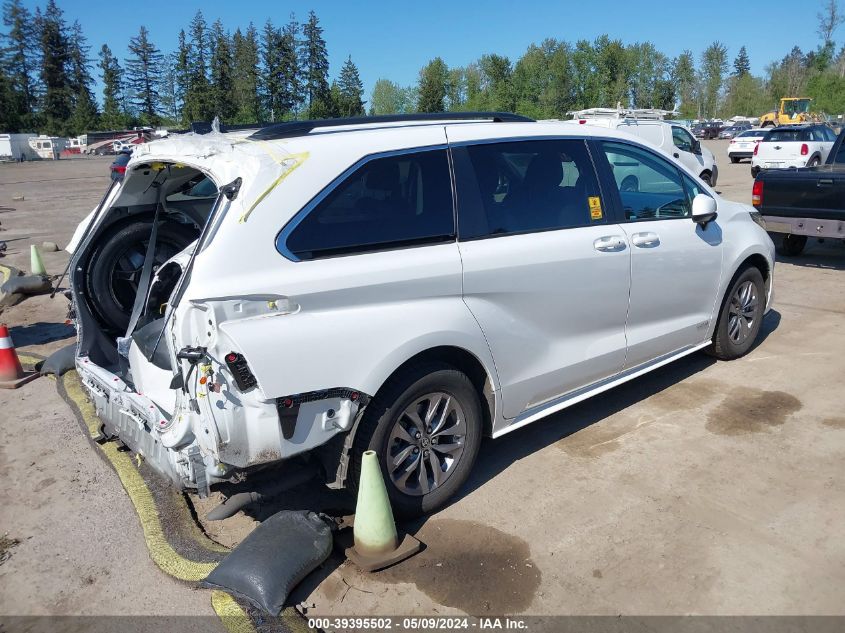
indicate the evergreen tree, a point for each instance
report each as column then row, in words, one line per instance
column 714, row 64
column 55, row 53
column 432, row 86
column 10, row 104
column 113, row 117
column 169, row 89
column 246, row 76
column 19, row 58
column 222, row 81
column 199, row 104
column 271, row 56
column 684, row 80
column 182, row 77
column 84, row 117
column 315, row 62
column 290, row 70
column 742, row 65
column 351, row 90
column 143, row 76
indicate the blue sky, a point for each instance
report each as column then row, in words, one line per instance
column 394, row 39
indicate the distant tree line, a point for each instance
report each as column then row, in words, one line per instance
column 282, row 72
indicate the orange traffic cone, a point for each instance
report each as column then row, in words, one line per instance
column 12, row 374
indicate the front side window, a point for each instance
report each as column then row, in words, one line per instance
column 538, row 185
column 387, row 202
column 682, row 140
column 650, row 187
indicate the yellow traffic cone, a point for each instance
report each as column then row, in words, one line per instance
column 36, row 265
column 377, row 544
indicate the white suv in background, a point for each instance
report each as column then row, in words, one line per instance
column 792, row 146
column 407, row 285
column 742, row 145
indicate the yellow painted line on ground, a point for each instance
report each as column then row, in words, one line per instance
column 26, row 359
column 162, row 553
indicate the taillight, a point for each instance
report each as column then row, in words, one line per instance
column 582, row 121
column 804, row 149
column 121, row 169
column 757, row 193
column 756, row 147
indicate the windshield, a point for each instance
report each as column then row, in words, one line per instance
column 796, row 106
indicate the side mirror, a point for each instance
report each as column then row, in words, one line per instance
column 696, row 146
column 703, row 210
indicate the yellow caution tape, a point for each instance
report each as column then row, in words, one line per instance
column 297, row 159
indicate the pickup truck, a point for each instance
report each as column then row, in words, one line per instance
column 803, row 202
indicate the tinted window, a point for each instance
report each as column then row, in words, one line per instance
column 840, row 155
column 387, row 202
column 534, row 186
column 829, row 134
column 751, row 133
column 785, row 136
column 649, row 186
column 682, row 139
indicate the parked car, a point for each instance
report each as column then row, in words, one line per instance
column 793, row 146
column 733, row 130
column 743, row 144
column 711, row 130
column 669, row 136
column 803, row 202
column 118, row 166
column 403, row 284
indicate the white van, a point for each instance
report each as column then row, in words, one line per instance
column 670, row 136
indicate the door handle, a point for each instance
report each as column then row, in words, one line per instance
column 645, row 240
column 675, row 154
column 825, row 182
column 609, row 243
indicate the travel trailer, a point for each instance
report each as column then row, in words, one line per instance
column 15, row 147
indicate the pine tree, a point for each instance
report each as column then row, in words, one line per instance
column 85, row 115
column 432, row 86
column 143, row 76
column 271, row 40
column 315, row 63
column 351, row 90
column 182, row 77
column 742, row 65
column 222, row 82
column 10, row 104
column 113, row 117
column 198, row 101
column 56, row 101
column 19, row 59
column 290, row 71
column 246, row 77
column 169, row 89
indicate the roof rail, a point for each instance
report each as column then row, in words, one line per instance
column 300, row 128
column 646, row 114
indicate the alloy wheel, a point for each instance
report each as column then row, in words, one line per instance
column 742, row 312
column 426, row 443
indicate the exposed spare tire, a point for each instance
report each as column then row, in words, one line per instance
column 115, row 265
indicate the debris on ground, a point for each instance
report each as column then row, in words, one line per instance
column 18, row 198
column 49, row 247
column 6, row 545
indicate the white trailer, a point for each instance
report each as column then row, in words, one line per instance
column 15, row 147
column 48, row 147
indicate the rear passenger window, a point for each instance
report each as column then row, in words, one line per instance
column 387, row 202
column 526, row 186
column 650, row 187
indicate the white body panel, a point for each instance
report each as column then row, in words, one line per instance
column 14, row 147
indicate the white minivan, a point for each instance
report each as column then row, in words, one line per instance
column 403, row 284
column 669, row 136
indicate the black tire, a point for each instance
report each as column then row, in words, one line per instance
column 815, row 161
column 791, row 245
column 706, row 176
column 385, row 410
column 120, row 250
column 724, row 346
column 755, row 171
column 734, row 159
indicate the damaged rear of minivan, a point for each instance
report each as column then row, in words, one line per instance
column 160, row 307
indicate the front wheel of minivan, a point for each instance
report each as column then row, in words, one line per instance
column 741, row 315
column 425, row 425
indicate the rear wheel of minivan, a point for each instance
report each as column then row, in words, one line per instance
column 425, row 425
